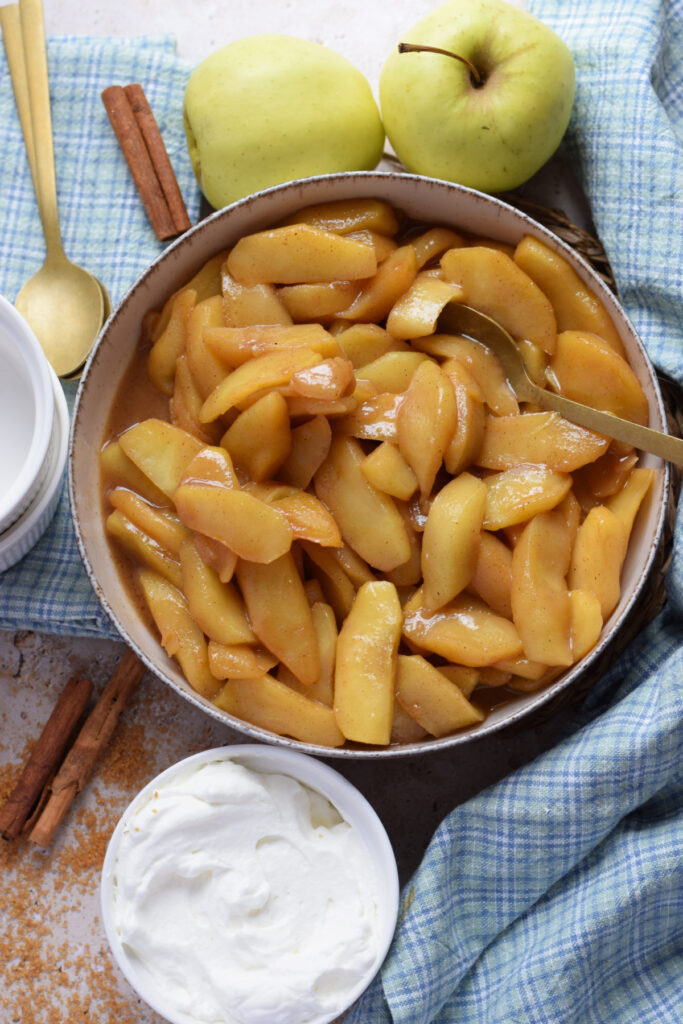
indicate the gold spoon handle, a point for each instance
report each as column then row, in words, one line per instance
column 10, row 24
column 35, row 58
column 648, row 440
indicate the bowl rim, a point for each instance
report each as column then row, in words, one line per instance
column 21, row 492
column 431, row 744
column 353, row 806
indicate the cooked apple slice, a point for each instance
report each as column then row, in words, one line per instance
column 144, row 548
column 160, row 524
column 518, row 494
column 374, row 420
column 211, row 465
column 259, row 440
column 450, row 543
column 393, row 371
column 310, row 443
column 415, row 313
column 118, row 469
column 337, row 588
column 299, row 254
column 626, row 503
column 576, row 306
column 181, row 637
column 465, row 631
column 598, row 557
column 270, row 704
column 206, row 368
column 258, row 304
column 216, row 607
column 306, row 302
column 431, row 698
column 541, row 608
column 481, row 365
column 495, row 285
column 161, row 451
column 162, row 357
column 365, row 669
column 186, row 402
column 239, row 661
column 492, row 578
column 251, row 528
column 309, row 519
column 464, row 446
column 327, row 381
column 237, row 345
column 426, row 422
column 433, row 242
column 258, row 375
column 388, row 471
column 363, row 343
column 545, row 438
column 586, row 369
column 367, row 518
column 586, row 620
column 346, row 215
column 379, row 294
column 217, row 556
column 280, row 614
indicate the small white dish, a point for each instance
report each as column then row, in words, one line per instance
column 26, row 415
column 25, row 532
column 349, row 802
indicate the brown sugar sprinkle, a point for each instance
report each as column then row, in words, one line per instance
column 56, row 960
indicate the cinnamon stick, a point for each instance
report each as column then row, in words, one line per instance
column 157, row 150
column 139, row 161
column 45, row 757
column 92, row 739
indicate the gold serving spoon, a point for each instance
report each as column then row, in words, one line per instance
column 457, row 318
column 64, row 304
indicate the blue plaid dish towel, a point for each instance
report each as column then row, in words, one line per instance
column 556, row 895
column 104, row 229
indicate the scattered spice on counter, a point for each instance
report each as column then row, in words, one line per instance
column 56, row 960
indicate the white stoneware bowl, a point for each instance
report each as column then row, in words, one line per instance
column 18, row 539
column 422, row 199
column 352, row 807
column 27, row 409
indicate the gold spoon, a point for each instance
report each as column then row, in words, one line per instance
column 457, row 318
column 63, row 303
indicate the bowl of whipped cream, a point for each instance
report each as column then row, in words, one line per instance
column 249, row 885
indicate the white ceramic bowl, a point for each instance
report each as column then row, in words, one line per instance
column 353, row 808
column 423, row 199
column 18, row 539
column 26, row 415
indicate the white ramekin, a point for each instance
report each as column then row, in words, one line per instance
column 26, row 415
column 18, row 539
column 350, row 803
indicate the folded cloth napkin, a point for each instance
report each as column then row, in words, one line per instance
column 556, row 896
column 104, row 229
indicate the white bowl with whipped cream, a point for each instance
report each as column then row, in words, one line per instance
column 249, row 885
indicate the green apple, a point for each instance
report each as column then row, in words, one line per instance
column 270, row 108
column 490, row 123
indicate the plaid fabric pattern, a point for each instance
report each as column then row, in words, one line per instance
column 556, row 896
column 105, row 229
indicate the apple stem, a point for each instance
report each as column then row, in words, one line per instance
column 419, row 48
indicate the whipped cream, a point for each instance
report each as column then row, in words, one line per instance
column 243, row 897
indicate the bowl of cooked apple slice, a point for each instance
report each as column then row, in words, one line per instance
column 333, row 525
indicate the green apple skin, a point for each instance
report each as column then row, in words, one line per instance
column 271, row 108
column 491, row 138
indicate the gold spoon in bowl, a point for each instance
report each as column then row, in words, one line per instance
column 457, row 318
column 63, row 303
